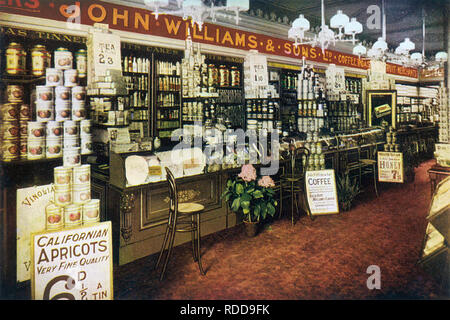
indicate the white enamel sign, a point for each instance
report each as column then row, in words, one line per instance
column 321, row 192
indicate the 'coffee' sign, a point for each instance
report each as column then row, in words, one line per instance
column 73, row 264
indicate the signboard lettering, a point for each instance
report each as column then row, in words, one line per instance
column 390, row 167
column 321, row 192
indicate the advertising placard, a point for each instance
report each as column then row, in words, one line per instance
column 30, row 215
column 73, row 264
column 258, row 70
column 390, row 167
column 321, row 192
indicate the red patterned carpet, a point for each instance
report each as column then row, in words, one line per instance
column 322, row 259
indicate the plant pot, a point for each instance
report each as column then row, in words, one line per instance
column 251, row 228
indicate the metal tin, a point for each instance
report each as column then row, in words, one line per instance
column 54, row 148
column 23, row 145
column 54, row 217
column 44, row 93
column 79, row 113
column 54, row 77
column 71, row 78
column 16, row 59
column 23, row 129
column 10, row 149
column 39, row 60
column 63, row 195
column 86, row 144
column 79, row 93
column 72, row 215
column 81, row 61
column 235, row 77
column 72, row 157
column 62, row 94
column 71, row 142
column 213, row 75
column 45, row 111
column 36, row 129
column 14, row 93
column 85, row 127
column 62, row 175
column 54, row 129
column 9, row 112
column 82, row 175
column 24, row 112
column 91, row 211
column 224, row 76
column 71, row 128
column 36, row 149
column 10, row 130
column 63, row 112
column 81, row 193
column 63, row 59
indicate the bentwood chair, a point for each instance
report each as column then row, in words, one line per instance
column 293, row 180
column 362, row 163
column 183, row 217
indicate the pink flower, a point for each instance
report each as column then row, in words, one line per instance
column 266, row 182
column 248, row 173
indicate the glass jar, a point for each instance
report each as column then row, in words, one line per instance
column 15, row 59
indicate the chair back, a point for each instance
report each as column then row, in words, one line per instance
column 297, row 155
column 173, row 194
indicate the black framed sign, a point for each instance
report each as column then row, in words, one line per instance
column 382, row 108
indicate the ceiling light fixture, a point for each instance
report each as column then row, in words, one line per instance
column 326, row 36
column 197, row 10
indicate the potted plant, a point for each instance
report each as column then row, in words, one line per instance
column 252, row 197
column 347, row 191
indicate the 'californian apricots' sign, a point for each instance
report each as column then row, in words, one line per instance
column 142, row 21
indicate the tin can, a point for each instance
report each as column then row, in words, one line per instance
column 36, row 149
column 54, row 148
column 63, row 112
column 386, row 147
column 91, row 211
column 71, row 78
column 54, row 77
column 39, row 60
column 71, row 142
column 79, row 113
column 24, row 112
column 81, row 193
column 72, row 215
column 62, row 175
column 23, row 145
column 213, row 76
column 86, row 144
column 81, row 61
column 54, row 129
column 63, row 195
column 16, row 59
column 14, row 93
column 235, row 77
column 82, row 175
column 78, row 93
column 10, row 129
column 72, row 157
column 224, row 76
column 10, row 149
column 63, row 59
column 62, row 94
column 36, row 129
column 85, row 127
column 44, row 93
column 23, row 129
column 45, row 111
column 54, row 217
column 71, row 128
column 9, row 112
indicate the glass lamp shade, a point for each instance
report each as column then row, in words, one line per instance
column 353, row 27
column 407, row 45
column 416, row 57
column 339, row 20
column 156, row 3
column 441, row 56
column 380, row 45
column 359, row 50
column 401, row 51
column 242, row 5
column 301, row 23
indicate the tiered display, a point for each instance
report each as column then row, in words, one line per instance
column 72, row 205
